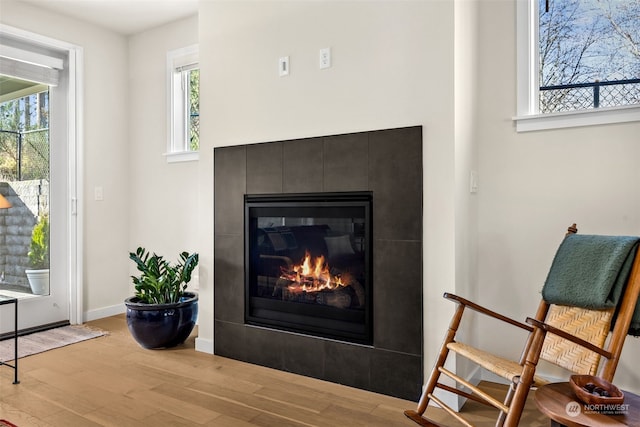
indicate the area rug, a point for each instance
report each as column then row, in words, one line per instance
column 40, row 342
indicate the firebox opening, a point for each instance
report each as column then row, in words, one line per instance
column 307, row 264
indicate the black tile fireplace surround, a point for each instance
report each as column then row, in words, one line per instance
column 388, row 165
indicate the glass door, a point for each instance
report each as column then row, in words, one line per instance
column 35, row 214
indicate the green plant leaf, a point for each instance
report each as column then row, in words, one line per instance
column 161, row 282
column 39, row 246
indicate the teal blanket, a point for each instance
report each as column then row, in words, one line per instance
column 591, row 272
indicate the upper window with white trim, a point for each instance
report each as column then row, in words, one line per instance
column 578, row 62
column 183, row 79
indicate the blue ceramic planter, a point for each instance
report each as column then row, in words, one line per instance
column 162, row 325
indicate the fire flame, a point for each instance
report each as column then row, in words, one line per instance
column 311, row 276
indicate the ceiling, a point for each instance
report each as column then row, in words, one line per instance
column 122, row 16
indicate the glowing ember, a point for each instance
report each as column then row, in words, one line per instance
column 311, row 276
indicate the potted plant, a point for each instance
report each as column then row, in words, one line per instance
column 38, row 273
column 162, row 313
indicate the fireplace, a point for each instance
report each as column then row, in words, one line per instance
column 385, row 166
column 307, row 264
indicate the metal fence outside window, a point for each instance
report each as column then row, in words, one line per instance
column 24, row 155
column 194, row 131
column 585, row 96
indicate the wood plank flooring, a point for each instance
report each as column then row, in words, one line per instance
column 111, row 381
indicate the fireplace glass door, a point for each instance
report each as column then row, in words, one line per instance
column 307, row 264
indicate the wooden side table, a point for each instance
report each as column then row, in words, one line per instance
column 560, row 404
column 4, row 300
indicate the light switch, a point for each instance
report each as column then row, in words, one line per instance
column 283, row 66
column 473, row 182
column 98, row 194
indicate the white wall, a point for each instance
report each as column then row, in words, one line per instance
column 163, row 197
column 106, row 147
column 534, row 185
column 392, row 67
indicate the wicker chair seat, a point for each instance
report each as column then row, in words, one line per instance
column 507, row 369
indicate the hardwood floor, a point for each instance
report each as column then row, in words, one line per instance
column 111, row 381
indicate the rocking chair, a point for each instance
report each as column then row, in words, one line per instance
column 571, row 337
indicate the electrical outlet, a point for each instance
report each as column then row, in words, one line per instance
column 325, row 57
column 98, row 193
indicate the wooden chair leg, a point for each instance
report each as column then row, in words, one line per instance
column 435, row 373
column 526, row 380
column 507, row 401
column 515, row 410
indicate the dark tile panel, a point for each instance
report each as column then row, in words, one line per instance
column 346, row 159
column 265, row 347
column 264, row 168
column 396, row 374
column 230, row 183
column 303, row 166
column 229, row 278
column 348, row 364
column 303, row 355
column 395, row 177
column 397, row 296
column 230, row 340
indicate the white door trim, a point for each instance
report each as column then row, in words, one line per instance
column 75, row 218
column 74, row 160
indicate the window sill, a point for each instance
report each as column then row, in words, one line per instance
column 569, row 119
column 182, row 156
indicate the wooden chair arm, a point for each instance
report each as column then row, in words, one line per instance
column 567, row 336
column 486, row 311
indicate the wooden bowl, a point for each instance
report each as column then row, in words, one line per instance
column 582, row 383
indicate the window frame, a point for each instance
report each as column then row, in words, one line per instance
column 528, row 113
column 177, row 99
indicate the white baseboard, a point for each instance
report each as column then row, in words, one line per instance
column 204, row 345
column 103, row 312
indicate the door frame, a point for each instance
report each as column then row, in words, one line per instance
column 74, row 172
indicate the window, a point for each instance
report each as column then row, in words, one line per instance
column 183, row 77
column 578, row 63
